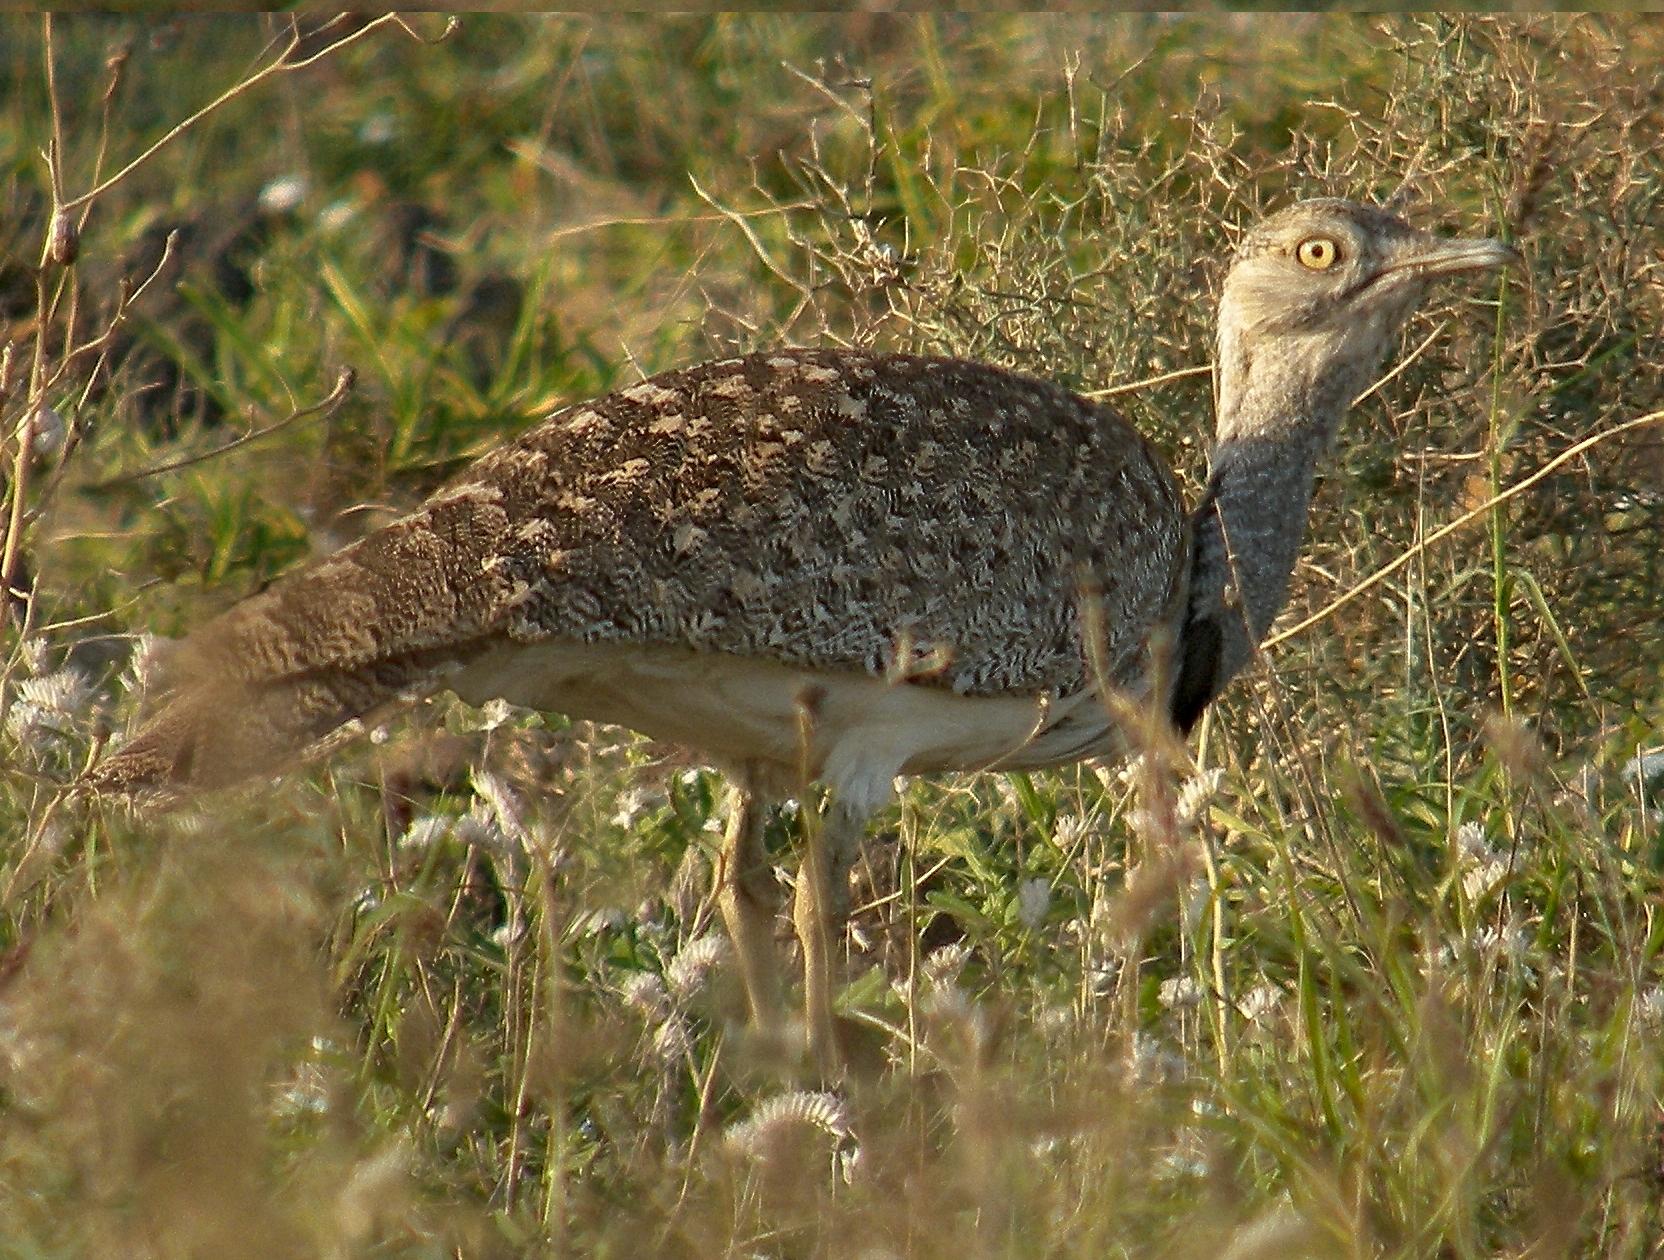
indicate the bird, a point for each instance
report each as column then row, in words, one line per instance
column 826, row 569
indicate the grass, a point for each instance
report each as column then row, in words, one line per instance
column 1381, row 977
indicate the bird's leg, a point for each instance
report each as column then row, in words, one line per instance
column 746, row 894
column 831, row 841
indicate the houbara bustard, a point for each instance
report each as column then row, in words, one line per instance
column 831, row 566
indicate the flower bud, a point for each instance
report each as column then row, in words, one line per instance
column 44, row 430
column 63, row 243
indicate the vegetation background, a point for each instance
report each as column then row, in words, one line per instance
column 1377, row 975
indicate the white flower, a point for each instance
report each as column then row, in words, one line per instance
column 1068, row 830
column 492, row 714
column 36, row 655
column 1483, row 868
column 942, row 966
column 1649, row 1006
column 424, row 832
column 1034, row 898
column 1196, row 795
column 479, row 830
column 1152, row 1063
column 31, row 726
column 696, row 963
column 1471, row 843
column 1259, row 1001
column 1480, row 881
column 1181, row 992
column 283, row 194
column 48, row 706
column 635, row 804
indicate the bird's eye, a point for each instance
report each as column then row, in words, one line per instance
column 1318, row 253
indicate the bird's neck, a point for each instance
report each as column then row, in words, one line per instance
column 1273, row 428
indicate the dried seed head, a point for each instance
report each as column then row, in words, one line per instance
column 44, row 431
column 424, row 832
column 37, row 656
column 943, row 965
column 1196, row 795
column 672, row 1042
column 695, row 964
column 505, row 806
column 646, row 992
column 147, row 666
column 63, row 242
column 47, row 708
column 1516, row 746
column 776, row 1119
column 687, row 887
column 65, row 692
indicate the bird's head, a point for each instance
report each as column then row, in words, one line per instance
column 1315, row 297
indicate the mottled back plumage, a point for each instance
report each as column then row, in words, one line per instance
column 912, row 518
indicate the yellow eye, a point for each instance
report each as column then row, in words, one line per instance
column 1318, row 253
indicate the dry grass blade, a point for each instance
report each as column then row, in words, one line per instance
column 1467, row 518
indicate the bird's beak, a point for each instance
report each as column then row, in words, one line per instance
column 1433, row 256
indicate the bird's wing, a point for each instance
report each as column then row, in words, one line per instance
column 841, row 511
column 887, row 514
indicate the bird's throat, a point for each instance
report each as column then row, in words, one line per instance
column 1252, row 522
column 1250, row 525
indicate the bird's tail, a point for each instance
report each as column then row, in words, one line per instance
column 212, row 732
column 308, row 661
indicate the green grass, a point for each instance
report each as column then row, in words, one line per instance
column 1384, row 980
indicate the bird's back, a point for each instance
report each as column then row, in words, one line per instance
column 886, row 516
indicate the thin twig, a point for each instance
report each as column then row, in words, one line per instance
column 661, row 220
column 279, row 65
column 757, row 246
column 1466, row 518
column 1177, row 374
column 124, row 305
column 343, row 386
column 1403, row 363
column 11, row 543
